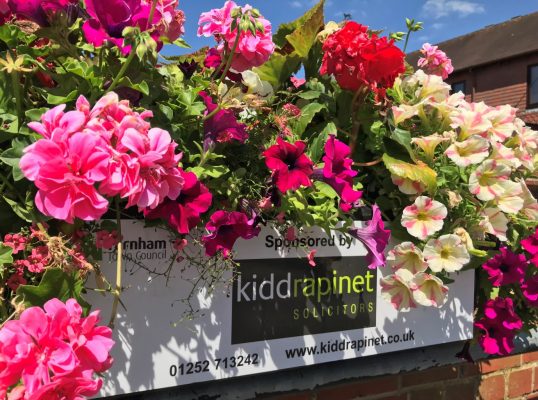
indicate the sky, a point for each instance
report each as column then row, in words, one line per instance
column 443, row 19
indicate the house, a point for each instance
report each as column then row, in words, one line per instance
column 498, row 65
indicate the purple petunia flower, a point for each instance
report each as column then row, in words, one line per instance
column 375, row 237
column 530, row 291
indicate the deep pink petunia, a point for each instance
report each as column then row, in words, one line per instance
column 530, row 290
column 338, row 173
column 222, row 127
column 183, row 214
column 530, row 244
column 499, row 326
column 291, row 167
column 212, row 59
column 375, row 237
column 39, row 11
column 225, row 228
column 506, row 268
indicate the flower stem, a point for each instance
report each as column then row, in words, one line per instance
column 407, row 39
column 18, row 98
column 119, row 254
column 152, row 13
column 122, row 70
column 230, row 58
column 212, row 113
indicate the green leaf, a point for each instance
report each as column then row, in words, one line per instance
column 315, row 149
column 325, row 189
column 5, row 254
column 35, row 113
column 12, row 157
column 419, row 172
column 54, row 99
column 55, row 283
column 23, row 212
column 307, row 115
column 279, row 68
column 403, row 137
column 310, row 95
column 214, row 171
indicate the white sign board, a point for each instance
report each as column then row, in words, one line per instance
column 279, row 312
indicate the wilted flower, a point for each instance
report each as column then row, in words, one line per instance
column 447, row 253
column 290, row 165
column 424, row 217
column 407, row 256
column 375, row 237
column 398, row 290
column 429, row 290
column 495, row 223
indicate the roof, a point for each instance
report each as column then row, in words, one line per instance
column 529, row 116
column 511, row 38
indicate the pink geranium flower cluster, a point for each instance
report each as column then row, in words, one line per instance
column 253, row 49
column 109, row 150
column 53, row 353
column 435, row 61
column 499, row 326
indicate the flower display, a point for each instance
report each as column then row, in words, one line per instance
column 291, row 167
column 322, row 127
column 358, row 59
column 424, row 217
column 252, row 48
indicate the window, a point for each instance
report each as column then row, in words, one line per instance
column 458, row 87
column 533, row 86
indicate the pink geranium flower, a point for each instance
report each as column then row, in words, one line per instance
column 530, row 290
column 224, row 229
column 499, row 326
column 16, row 241
column 183, row 214
column 253, row 49
column 106, row 239
column 375, row 237
column 222, row 127
column 39, row 11
column 435, row 61
column 506, row 268
column 65, row 174
column 338, row 173
column 297, row 82
column 291, row 167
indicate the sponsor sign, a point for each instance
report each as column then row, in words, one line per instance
column 275, row 312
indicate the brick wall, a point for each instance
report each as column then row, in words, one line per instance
column 508, row 378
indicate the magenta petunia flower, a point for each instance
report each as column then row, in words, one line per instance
column 290, row 165
column 338, row 173
column 109, row 18
column 506, row 268
column 530, row 244
column 183, row 214
column 225, row 228
column 375, row 237
column 498, row 326
column 39, row 11
column 223, row 126
column 530, row 290
column 212, row 58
